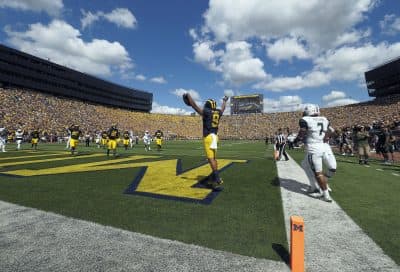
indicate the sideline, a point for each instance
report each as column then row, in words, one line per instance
column 333, row 241
column 33, row 240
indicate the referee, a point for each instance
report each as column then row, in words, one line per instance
column 281, row 145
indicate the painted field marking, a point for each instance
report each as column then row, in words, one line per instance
column 82, row 167
column 165, row 178
column 31, row 156
column 50, row 160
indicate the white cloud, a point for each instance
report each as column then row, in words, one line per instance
column 194, row 94
column 341, row 102
column 159, row 80
column 239, row 66
column 307, row 80
column 204, row 54
column 288, row 29
column 229, row 92
column 319, row 22
column 337, row 98
column 157, row 108
column 283, row 104
column 346, row 64
column 62, row 43
column 236, row 63
column 350, row 63
column 122, row 17
column 333, row 95
column 88, row 18
column 286, row 49
column 351, row 37
column 140, row 77
column 390, row 24
column 52, row 7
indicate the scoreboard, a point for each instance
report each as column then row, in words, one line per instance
column 244, row 104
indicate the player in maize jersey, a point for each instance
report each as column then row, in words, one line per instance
column 125, row 139
column 75, row 134
column 35, row 138
column 113, row 135
column 313, row 129
column 159, row 137
column 211, row 116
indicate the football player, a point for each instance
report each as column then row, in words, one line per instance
column 98, row 139
column 35, row 138
column 75, row 134
column 104, row 139
column 68, row 145
column 159, row 139
column 313, row 129
column 125, row 140
column 211, row 117
column 147, row 140
column 18, row 138
column 3, row 138
column 113, row 135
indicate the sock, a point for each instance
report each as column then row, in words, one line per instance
column 326, row 193
column 215, row 175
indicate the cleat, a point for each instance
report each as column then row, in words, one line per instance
column 326, row 198
column 312, row 191
column 215, row 186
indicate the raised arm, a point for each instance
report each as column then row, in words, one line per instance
column 194, row 105
column 224, row 100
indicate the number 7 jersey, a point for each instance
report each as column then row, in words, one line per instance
column 316, row 127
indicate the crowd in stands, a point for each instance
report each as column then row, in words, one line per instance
column 31, row 110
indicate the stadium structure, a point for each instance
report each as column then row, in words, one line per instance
column 245, row 104
column 22, row 70
column 384, row 80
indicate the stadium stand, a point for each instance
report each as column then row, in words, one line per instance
column 52, row 114
column 22, row 70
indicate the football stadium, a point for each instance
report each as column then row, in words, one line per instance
column 91, row 179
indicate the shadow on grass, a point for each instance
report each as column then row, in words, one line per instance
column 282, row 252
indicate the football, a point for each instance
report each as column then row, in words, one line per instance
column 185, row 98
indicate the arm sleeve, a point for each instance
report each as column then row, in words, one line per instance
column 303, row 123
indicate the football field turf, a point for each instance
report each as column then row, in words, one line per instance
column 369, row 195
column 154, row 193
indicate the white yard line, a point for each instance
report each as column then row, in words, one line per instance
column 333, row 241
column 33, row 240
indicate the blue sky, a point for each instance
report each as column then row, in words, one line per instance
column 293, row 52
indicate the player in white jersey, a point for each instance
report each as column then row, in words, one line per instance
column 3, row 139
column 131, row 139
column 313, row 129
column 147, row 141
column 18, row 138
column 68, row 145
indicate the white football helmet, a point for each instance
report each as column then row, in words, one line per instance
column 311, row 109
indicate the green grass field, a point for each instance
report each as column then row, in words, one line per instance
column 245, row 218
column 369, row 195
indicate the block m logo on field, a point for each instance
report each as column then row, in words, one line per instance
column 166, row 179
column 156, row 178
